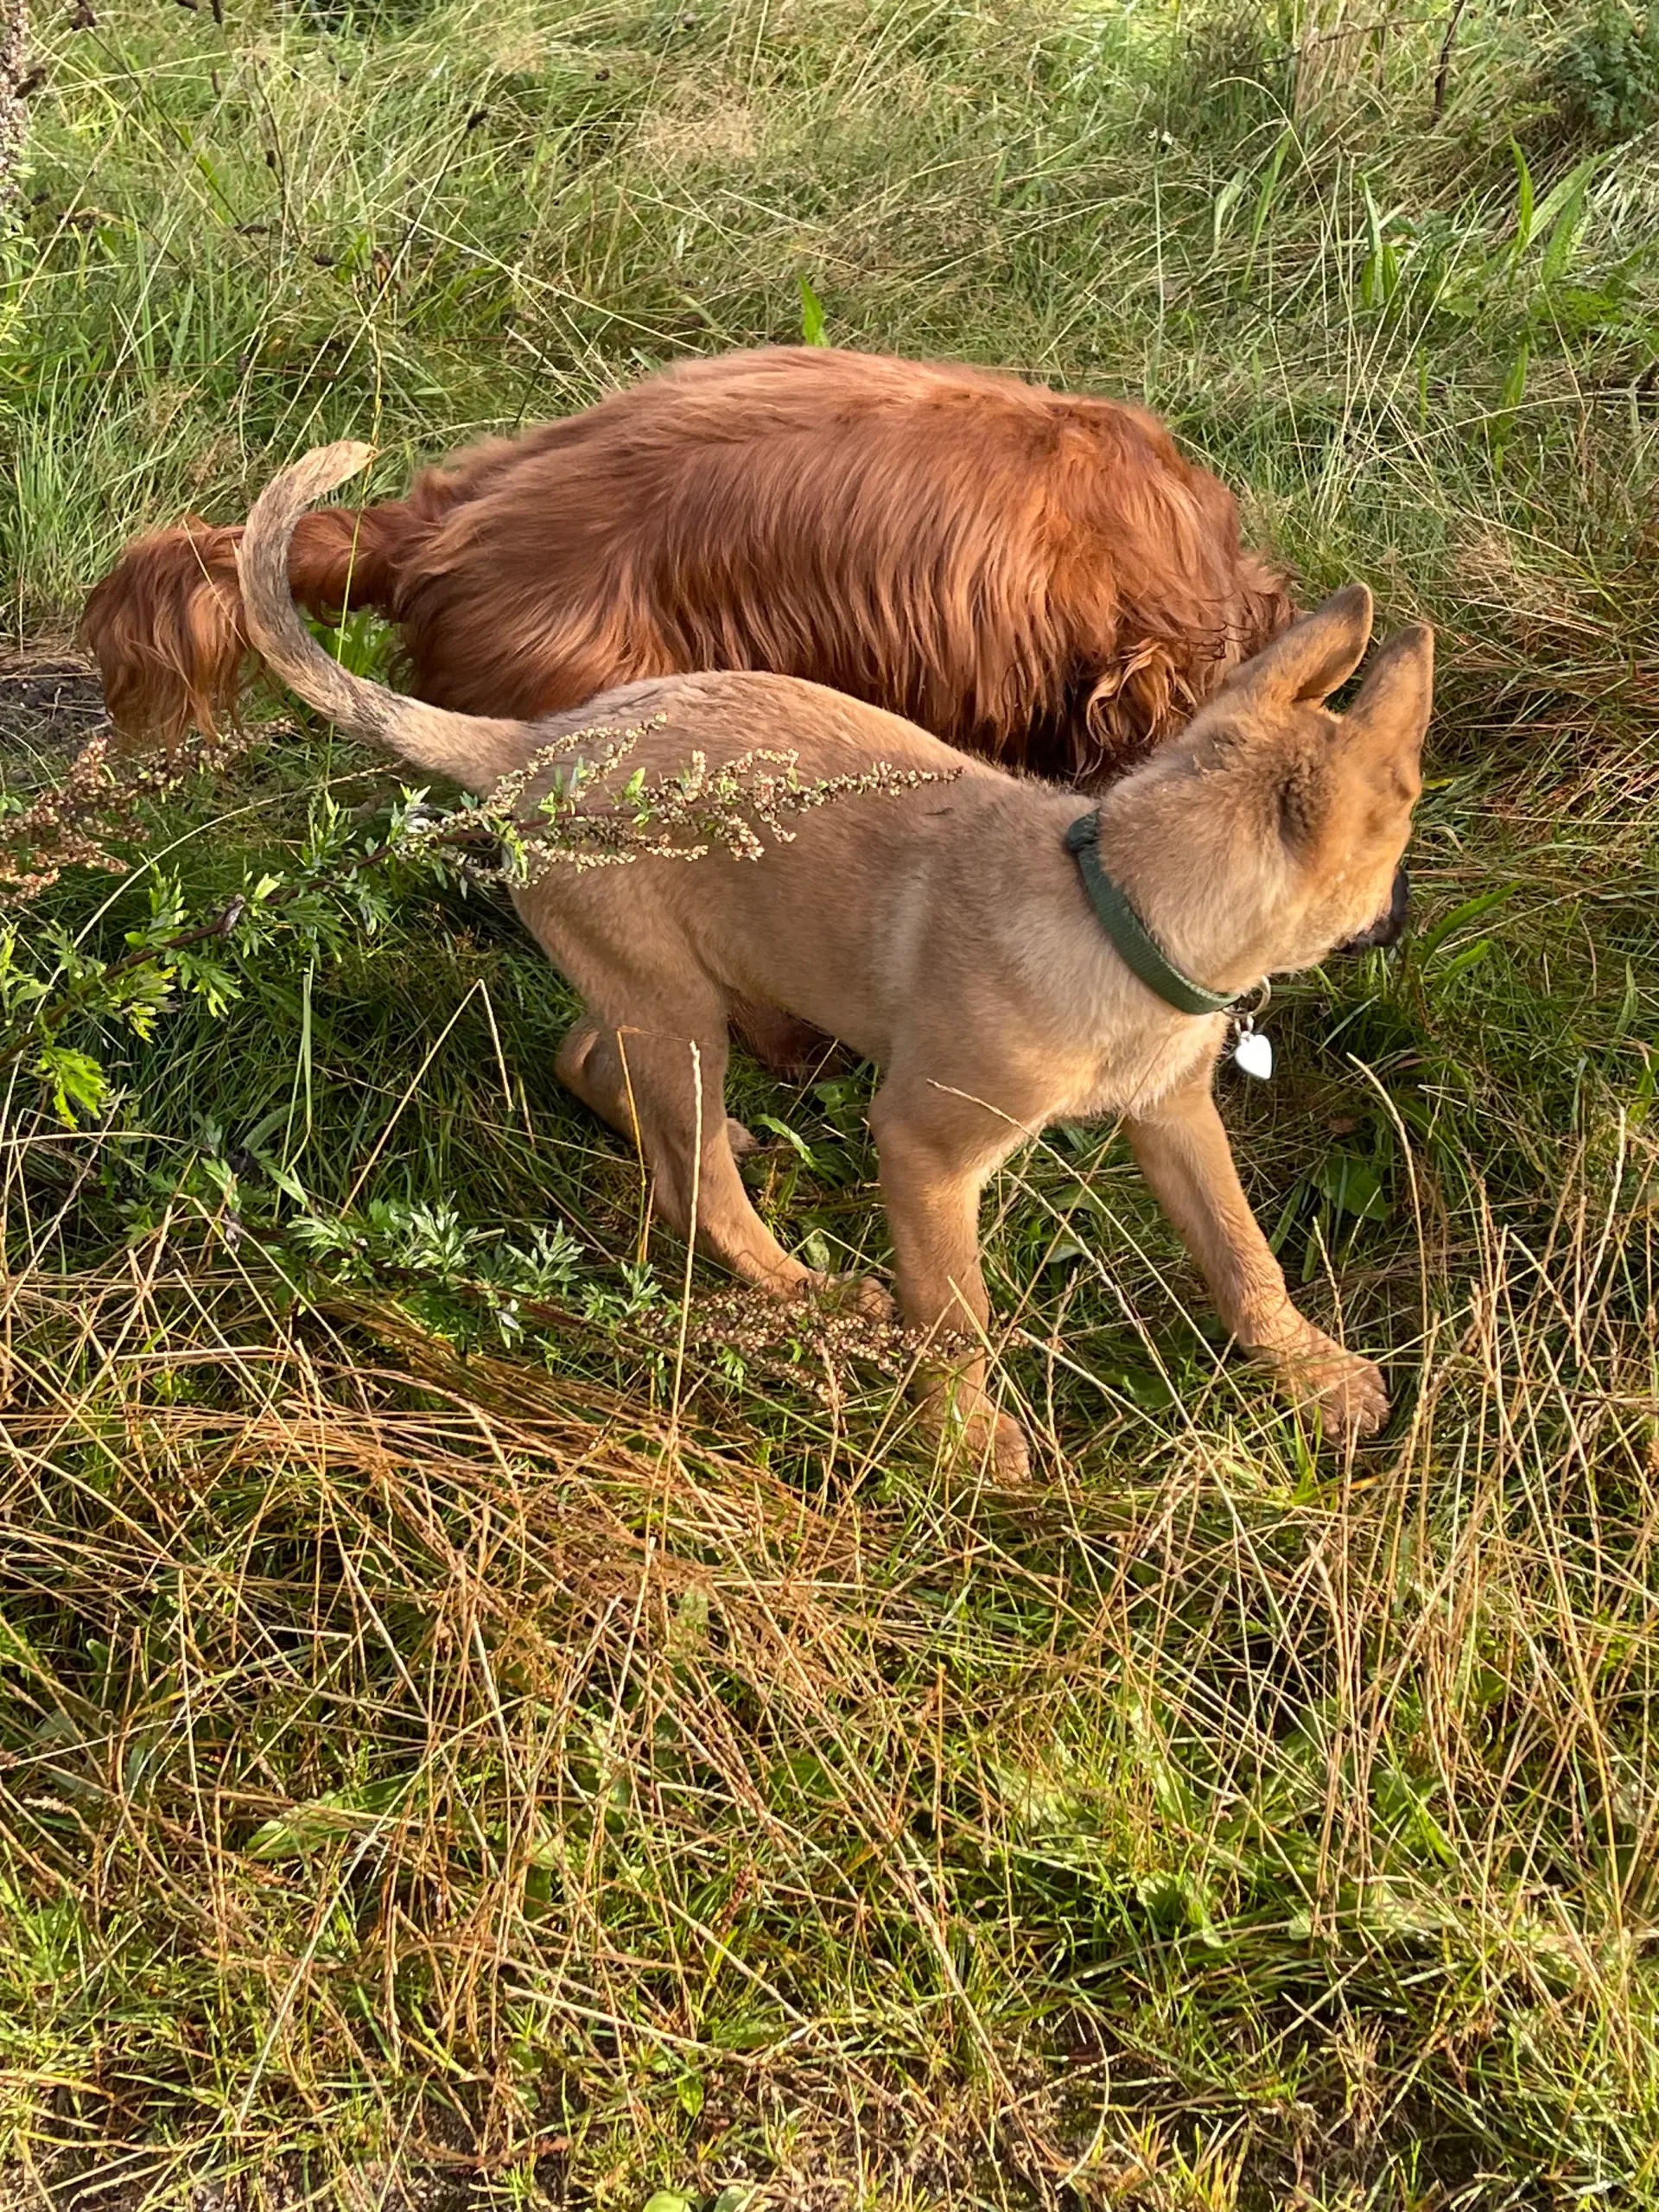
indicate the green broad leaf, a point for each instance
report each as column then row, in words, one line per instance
column 308, row 1827
column 1226, row 199
column 1380, row 277
column 260, row 1136
column 790, row 1137
column 1078, row 1194
column 1471, row 956
column 1287, row 1215
column 1515, row 381
column 284, row 1177
column 1560, row 212
column 16, row 1650
column 1370, row 277
column 1402, row 1801
column 1523, row 199
column 1351, row 1185
column 1558, row 248
column 1577, row 308
column 1264, row 198
column 811, row 315
column 1629, row 1001
column 1176, row 1902
column 668, row 2200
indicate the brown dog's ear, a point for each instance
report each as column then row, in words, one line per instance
column 1312, row 657
column 1391, row 709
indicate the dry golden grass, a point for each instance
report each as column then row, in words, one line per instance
column 470, row 1734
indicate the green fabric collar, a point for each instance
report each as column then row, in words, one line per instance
column 1130, row 934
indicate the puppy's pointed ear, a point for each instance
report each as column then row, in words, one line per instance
column 1312, row 657
column 1389, row 719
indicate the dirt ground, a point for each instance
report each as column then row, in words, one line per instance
column 51, row 701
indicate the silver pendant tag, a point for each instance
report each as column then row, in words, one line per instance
column 1253, row 1054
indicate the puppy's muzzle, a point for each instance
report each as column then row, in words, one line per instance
column 1390, row 923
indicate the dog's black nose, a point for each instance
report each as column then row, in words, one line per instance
column 1389, row 927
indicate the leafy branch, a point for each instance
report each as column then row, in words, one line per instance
column 564, row 806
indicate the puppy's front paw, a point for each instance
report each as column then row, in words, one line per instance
column 1345, row 1389
column 999, row 1437
column 1010, row 1454
column 968, row 1414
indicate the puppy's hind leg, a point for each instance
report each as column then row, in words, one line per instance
column 659, row 1078
column 590, row 1063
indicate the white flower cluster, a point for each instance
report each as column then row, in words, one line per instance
column 581, row 817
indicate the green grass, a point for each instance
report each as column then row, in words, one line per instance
column 467, row 1728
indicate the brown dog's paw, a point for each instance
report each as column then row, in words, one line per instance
column 742, row 1140
column 1343, row 1388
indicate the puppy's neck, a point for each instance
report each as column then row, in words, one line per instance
column 1207, row 879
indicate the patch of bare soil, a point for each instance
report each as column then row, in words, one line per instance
column 51, row 701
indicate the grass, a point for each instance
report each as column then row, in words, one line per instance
column 473, row 1732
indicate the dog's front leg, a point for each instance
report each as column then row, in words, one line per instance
column 931, row 1193
column 1183, row 1152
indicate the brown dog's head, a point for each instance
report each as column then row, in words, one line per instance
column 1325, row 798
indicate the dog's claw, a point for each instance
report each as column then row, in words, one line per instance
column 985, row 1432
column 1365, row 1402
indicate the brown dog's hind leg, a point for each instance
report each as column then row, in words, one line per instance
column 1183, row 1152
column 935, row 1154
column 785, row 1046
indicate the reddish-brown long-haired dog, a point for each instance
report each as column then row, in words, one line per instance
column 1036, row 577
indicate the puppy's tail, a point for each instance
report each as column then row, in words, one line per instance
column 468, row 749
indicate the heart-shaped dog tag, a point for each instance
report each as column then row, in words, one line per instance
column 1253, row 1054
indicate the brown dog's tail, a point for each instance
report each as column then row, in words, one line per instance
column 470, row 749
column 166, row 625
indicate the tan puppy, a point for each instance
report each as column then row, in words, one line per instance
column 947, row 932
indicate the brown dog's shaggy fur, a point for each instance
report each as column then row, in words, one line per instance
column 1035, row 577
